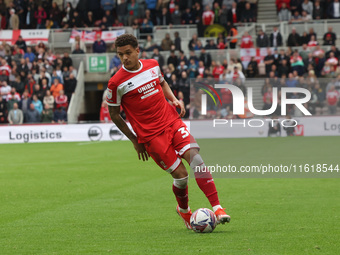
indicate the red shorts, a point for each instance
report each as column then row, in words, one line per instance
column 167, row 148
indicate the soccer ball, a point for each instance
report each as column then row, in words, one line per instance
column 203, row 220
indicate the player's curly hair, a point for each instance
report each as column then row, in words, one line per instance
column 126, row 39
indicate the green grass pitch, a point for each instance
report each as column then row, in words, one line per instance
column 97, row 198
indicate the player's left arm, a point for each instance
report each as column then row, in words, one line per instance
column 171, row 97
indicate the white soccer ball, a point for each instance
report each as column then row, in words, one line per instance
column 203, row 220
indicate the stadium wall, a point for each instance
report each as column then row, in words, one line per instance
column 307, row 126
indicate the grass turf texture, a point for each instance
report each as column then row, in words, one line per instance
column 97, row 198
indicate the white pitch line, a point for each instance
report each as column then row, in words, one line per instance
column 86, row 143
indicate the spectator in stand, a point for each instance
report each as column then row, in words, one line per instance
column 312, row 42
column 269, row 61
column 248, row 14
column 47, row 114
column 122, row 12
column 107, row 5
column 177, row 41
column 5, row 89
column 3, row 110
column 218, row 70
column 21, row 43
column 115, row 64
column 206, row 58
column 61, row 100
column 60, row 116
column 295, row 5
column 32, row 115
column 104, row 113
column 66, row 60
column 158, row 57
column 329, row 38
column 332, row 97
column 193, row 42
column 294, row 39
column 334, row 10
column 208, row 16
column 56, row 87
column 164, row 17
column 188, row 18
column 55, row 15
column 29, row 54
column 80, row 42
column 70, row 86
column 37, row 104
column 216, row 10
column 25, row 102
column 77, row 50
column 262, row 40
column 284, row 14
column 232, row 37
column 307, row 6
column 176, row 16
column 15, row 116
column 233, row 14
column 280, row 3
column 166, row 42
column 305, row 16
column 275, row 38
column 223, row 15
column 252, row 68
column 99, row 46
column 117, row 23
column 3, row 22
column 13, row 22
column 40, row 16
column 304, row 39
column 334, row 50
column 318, row 11
column 132, row 8
column 89, row 20
column 297, row 64
column 211, row 45
column 49, row 99
column 333, row 62
column 172, row 59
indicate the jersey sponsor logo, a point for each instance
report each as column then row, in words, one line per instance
column 109, row 93
column 147, row 87
column 130, row 84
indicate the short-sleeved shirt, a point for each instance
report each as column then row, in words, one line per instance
column 140, row 94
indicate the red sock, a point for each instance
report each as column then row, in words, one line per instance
column 206, row 183
column 181, row 196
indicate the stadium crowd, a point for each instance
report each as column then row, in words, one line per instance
column 36, row 84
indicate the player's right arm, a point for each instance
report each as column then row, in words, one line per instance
column 121, row 124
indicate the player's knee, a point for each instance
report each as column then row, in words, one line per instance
column 181, row 183
column 180, row 172
column 196, row 162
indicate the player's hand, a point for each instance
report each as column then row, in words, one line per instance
column 141, row 151
column 180, row 105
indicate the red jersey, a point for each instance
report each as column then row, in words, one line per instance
column 332, row 97
column 208, row 18
column 141, row 96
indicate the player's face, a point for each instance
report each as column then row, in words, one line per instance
column 129, row 57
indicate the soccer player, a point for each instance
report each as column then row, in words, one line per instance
column 139, row 87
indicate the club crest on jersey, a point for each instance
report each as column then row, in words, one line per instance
column 109, row 93
column 153, row 73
